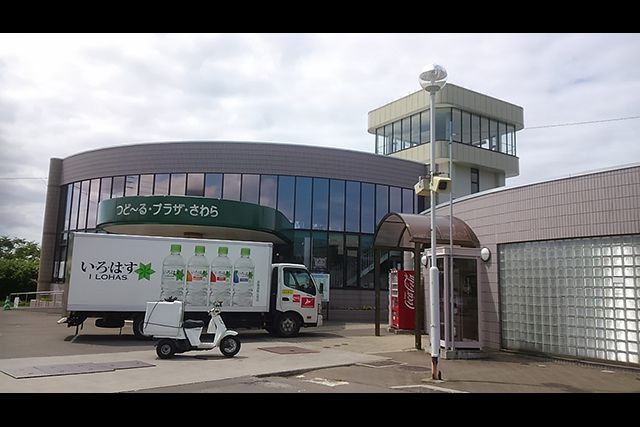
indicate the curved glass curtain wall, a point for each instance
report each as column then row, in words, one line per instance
column 467, row 128
column 334, row 220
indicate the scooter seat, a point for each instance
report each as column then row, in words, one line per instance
column 190, row 324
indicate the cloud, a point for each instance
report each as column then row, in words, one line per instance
column 63, row 94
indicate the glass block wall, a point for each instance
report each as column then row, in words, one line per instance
column 577, row 297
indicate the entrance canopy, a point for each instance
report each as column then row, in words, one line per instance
column 402, row 231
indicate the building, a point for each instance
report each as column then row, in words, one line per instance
column 551, row 267
column 328, row 201
column 563, row 277
column 482, row 130
column 319, row 206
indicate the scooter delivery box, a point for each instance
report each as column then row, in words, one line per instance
column 163, row 319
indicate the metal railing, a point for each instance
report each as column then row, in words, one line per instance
column 42, row 299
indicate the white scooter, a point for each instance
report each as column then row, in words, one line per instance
column 164, row 320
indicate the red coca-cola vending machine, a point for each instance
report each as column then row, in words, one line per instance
column 402, row 299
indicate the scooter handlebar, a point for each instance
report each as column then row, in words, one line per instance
column 216, row 307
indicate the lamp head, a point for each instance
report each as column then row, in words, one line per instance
column 433, row 77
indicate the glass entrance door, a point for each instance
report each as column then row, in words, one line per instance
column 459, row 303
column 465, row 301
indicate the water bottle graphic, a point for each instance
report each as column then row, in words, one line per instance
column 172, row 281
column 220, row 280
column 242, row 294
column 197, row 279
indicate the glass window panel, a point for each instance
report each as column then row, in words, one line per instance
column 336, row 205
column 319, row 261
column 93, row 203
column 407, row 200
column 213, row 185
column 466, row 128
column 388, row 139
column 415, row 129
column 380, row 141
column 67, row 210
column 352, row 206
column 457, row 125
column 250, row 188
column 105, row 189
column 352, row 261
column 425, row 119
column 443, row 117
column 382, row 202
column 131, row 185
column 502, row 137
column 493, row 135
column 146, row 185
column 396, row 144
column 484, row 132
column 84, row 202
column 231, row 186
column 366, row 262
column 178, row 183
column 302, row 247
column 195, row 184
column 286, row 187
column 367, row 211
column 511, row 140
column 336, row 259
column 320, row 203
column 406, row 132
column 303, row 203
column 268, row 190
column 475, row 180
column 117, row 189
column 395, row 199
column 161, row 184
column 475, row 130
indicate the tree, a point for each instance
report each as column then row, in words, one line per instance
column 19, row 262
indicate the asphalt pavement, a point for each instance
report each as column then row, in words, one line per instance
column 339, row 358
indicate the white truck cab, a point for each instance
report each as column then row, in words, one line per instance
column 295, row 300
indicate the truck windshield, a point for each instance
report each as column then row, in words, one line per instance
column 299, row 279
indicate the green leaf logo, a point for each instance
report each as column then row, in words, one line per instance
column 179, row 274
column 144, row 271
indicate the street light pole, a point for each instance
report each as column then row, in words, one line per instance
column 432, row 79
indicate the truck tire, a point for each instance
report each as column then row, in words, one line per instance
column 138, row 325
column 166, row 348
column 288, row 325
column 229, row 346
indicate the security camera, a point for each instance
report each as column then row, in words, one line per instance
column 440, row 184
column 422, row 187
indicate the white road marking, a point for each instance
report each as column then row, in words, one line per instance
column 431, row 387
column 328, row 383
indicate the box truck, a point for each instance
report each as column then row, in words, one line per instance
column 111, row 277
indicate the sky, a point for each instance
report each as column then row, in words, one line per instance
column 61, row 94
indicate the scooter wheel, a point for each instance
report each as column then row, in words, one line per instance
column 165, row 349
column 229, row 346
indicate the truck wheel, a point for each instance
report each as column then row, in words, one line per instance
column 138, row 325
column 229, row 346
column 165, row 349
column 288, row 325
